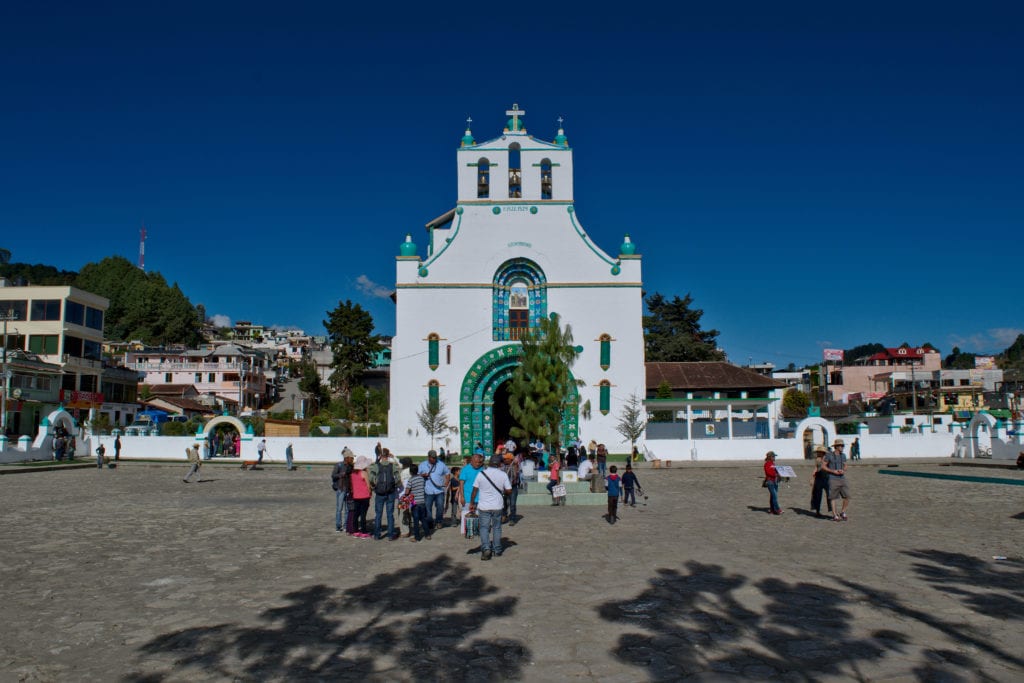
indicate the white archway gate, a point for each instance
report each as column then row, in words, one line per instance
column 979, row 448
column 224, row 419
column 814, row 423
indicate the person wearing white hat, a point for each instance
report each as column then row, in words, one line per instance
column 193, row 457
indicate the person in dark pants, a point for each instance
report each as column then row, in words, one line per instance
column 117, row 448
column 819, row 482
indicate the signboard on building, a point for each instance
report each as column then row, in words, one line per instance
column 80, row 399
column 833, row 354
column 984, row 362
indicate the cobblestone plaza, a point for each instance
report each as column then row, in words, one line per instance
column 131, row 575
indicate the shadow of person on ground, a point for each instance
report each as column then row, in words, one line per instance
column 415, row 624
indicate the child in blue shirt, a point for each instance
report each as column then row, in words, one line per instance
column 614, row 483
column 629, row 485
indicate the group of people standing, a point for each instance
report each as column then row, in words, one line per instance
column 828, row 482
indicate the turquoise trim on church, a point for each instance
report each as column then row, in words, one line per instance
column 536, row 286
column 586, row 240
column 455, row 233
column 476, row 400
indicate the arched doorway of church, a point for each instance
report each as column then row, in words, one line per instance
column 502, row 414
column 483, row 402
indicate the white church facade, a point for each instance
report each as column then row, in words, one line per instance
column 511, row 252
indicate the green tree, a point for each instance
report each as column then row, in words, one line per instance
column 433, row 417
column 142, row 305
column 957, row 360
column 37, row 274
column 664, row 391
column 796, row 402
column 541, row 386
column 632, row 421
column 672, row 332
column 350, row 331
column 850, row 356
column 1013, row 355
column 312, row 387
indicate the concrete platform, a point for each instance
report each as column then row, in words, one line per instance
column 131, row 575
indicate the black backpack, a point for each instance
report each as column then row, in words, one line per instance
column 385, row 479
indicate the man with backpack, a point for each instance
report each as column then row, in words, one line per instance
column 385, row 477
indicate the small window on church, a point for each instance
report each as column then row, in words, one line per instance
column 606, row 351
column 518, row 310
column 515, row 172
column 433, row 342
column 434, row 395
column 483, row 179
column 606, row 397
column 545, row 179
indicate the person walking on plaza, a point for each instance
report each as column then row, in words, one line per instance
column 614, row 483
column 100, row 451
column 855, row 449
column 261, row 449
column 487, row 501
column 771, row 479
column 58, row 448
column 117, row 448
column 416, row 489
column 602, row 459
column 359, row 490
column 288, row 455
column 435, row 475
column 819, row 481
column 553, row 479
column 384, row 478
column 193, row 457
column 467, row 477
column 510, row 467
column 629, row 486
column 835, row 465
column 341, row 482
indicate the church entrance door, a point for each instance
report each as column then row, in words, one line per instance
column 483, row 402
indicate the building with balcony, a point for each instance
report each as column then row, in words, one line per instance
column 33, row 391
column 61, row 326
column 859, row 381
column 232, row 372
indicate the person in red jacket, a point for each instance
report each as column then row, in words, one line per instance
column 771, row 477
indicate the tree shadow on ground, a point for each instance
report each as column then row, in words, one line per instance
column 416, row 624
column 706, row 621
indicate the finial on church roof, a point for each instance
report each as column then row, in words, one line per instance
column 467, row 139
column 408, row 247
column 514, row 124
column 560, row 139
column 627, row 248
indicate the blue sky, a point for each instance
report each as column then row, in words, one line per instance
column 814, row 177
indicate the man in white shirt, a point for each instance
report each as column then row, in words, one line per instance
column 488, row 500
column 586, row 469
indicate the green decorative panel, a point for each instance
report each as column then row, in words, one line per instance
column 434, row 395
column 476, row 398
column 606, row 352
column 432, row 352
column 606, row 397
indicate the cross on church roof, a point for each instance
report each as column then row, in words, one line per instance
column 469, row 121
column 515, row 112
column 560, row 121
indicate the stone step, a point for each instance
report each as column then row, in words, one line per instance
column 540, row 499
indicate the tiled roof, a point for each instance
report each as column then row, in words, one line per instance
column 173, row 390
column 188, row 405
column 706, row 375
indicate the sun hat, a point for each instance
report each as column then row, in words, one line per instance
column 820, row 448
column 362, row 462
column 769, row 454
column 839, row 442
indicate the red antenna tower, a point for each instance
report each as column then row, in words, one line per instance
column 142, row 248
